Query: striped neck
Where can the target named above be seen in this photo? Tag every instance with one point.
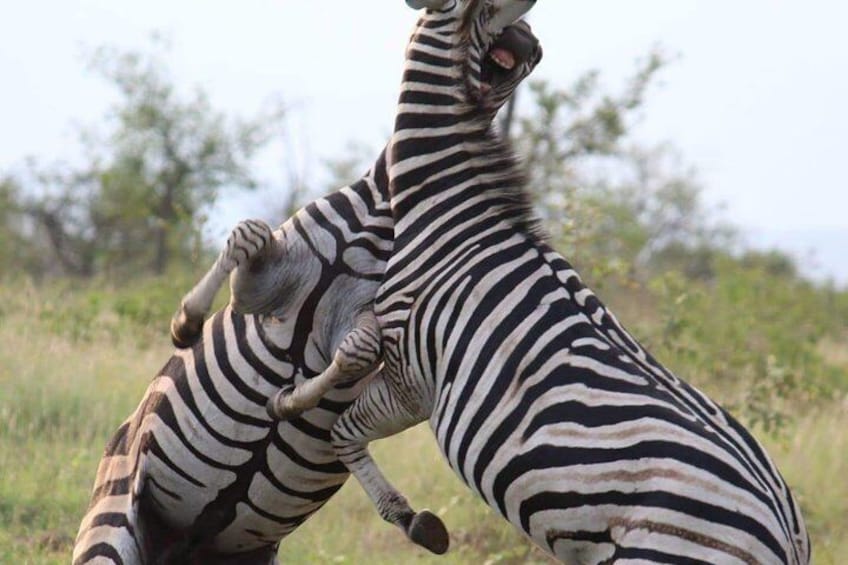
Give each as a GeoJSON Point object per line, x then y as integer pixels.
{"type": "Point", "coordinates": [444, 146]}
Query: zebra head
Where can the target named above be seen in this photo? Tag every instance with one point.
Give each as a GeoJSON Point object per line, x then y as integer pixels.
{"type": "Point", "coordinates": [481, 43]}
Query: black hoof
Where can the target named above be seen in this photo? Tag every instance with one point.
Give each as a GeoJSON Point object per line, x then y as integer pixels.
{"type": "Point", "coordinates": [274, 405]}
{"type": "Point", "coordinates": [186, 335]}
{"type": "Point", "coordinates": [428, 531]}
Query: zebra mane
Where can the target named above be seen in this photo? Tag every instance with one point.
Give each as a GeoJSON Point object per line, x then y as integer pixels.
{"type": "Point", "coordinates": [509, 183]}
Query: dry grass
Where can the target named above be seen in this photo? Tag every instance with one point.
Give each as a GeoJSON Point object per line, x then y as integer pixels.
{"type": "Point", "coordinates": [813, 461]}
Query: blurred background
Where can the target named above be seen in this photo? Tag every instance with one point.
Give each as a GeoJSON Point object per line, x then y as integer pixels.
{"type": "Point", "coordinates": [685, 155]}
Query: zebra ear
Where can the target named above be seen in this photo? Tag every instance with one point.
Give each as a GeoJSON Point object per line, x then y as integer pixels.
{"type": "Point", "coordinates": [429, 4]}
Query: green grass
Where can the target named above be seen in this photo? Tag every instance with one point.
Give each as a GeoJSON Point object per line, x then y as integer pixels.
{"type": "Point", "coordinates": [64, 390]}
{"type": "Point", "coordinates": [61, 396]}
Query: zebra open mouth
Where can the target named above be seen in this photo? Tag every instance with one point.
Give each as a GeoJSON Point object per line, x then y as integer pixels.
{"type": "Point", "coordinates": [515, 46]}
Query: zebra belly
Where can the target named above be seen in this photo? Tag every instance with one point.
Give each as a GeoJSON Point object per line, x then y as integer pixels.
{"type": "Point", "coordinates": [219, 468]}
{"type": "Point", "coordinates": [294, 482]}
{"type": "Point", "coordinates": [256, 495]}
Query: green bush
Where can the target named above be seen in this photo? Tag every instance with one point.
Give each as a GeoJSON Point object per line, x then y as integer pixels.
{"type": "Point", "coordinates": [750, 338]}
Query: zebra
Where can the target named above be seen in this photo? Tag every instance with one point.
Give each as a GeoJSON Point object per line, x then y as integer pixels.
{"type": "Point", "coordinates": [202, 471]}
{"type": "Point", "coordinates": [539, 399]}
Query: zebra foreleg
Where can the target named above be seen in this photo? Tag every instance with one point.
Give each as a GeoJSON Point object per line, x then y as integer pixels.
{"type": "Point", "coordinates": [377, 413]}
{"type": "Point", "coordinates": [248, 241]}
{"type": "Point", "coordinates": [356, 357]}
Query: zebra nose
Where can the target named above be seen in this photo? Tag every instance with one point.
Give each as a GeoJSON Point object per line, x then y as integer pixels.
{"type": "Point", "coordinates": [537, 54]}
{"type": "Point", "coordinates": [520, 41]}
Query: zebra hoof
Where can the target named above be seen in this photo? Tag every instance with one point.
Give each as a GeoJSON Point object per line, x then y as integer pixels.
{"type": "Point", "coordinates": [428, 531]}
{"type": "Point", "coordinates": [185, 332]}
{"type": "Point", "coordinates": [279, 406]}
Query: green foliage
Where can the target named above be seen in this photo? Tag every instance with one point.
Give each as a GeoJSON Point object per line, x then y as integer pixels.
{"type": "Point", "coordinates": [76, 319]}
{"type": "Point", "coordinates": [168, 155]}
{"type": "Point", "coordinates": [604, 198]}
{"type": "Point", "coordinates": [749, 338]}
{"type": "Point", "coordinates": [98, 312]}
{"type": "Point", "coordinates": [137, 201]}
{"type": "Point", "coordinates": [8, 204]}
{"type": "Point", "coordinates": [64, 391]}
{"type": "Point", "coordinates": [149, 304]}
{"type": "Point", "coordinates": [18, 243]}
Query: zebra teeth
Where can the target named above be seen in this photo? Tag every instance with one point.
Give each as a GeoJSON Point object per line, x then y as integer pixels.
{"type": "Point", "coordinates": [503, 58]}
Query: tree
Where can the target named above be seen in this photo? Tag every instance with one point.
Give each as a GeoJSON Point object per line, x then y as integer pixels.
{"type": "Point", "coordinates": [603, 197]}
{"type": "Point", "coordinates": [165, 157]}
{"type": "Point", "coordinates": [13, 243]}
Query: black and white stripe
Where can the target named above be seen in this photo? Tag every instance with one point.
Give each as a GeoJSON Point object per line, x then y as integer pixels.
{"type": "Point", "coordinates": [538, 397]}
{"type": "Point", "coordinates": [200, 473]}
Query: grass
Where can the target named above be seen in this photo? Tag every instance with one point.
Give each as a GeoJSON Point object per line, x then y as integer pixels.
{"type": "Point", "coordinates": [64, 390]}
{"type": "Point", "coordinates": [814, 463]}
{"type": "Point", "coordinates": [61, 398]}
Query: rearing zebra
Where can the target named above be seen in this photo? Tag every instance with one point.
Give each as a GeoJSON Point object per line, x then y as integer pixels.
{"type": "Point", "coordinates": [538, 397]}
{"type": "Point", "coordinates": [199, 472]}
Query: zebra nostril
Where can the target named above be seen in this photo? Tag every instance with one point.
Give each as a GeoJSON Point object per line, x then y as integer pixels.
{"type": "Point", "coordinates": [537, 53]}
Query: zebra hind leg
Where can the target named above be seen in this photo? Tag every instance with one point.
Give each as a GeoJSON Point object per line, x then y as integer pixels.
{"type": "Point", "coordinates": [247, 242]}
{"type": "Point", "coordinates": [356, 357]}
{"type": "Point", "coordinates": [376, 414]}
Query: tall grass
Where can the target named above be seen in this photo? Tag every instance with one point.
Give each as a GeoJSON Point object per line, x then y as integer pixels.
{"type": "Point", "coordinates": [68, 378]}
{"type": "Point", "coordinates": [62, 393]}
{"type": "Point", "coordinates": [813, 461]}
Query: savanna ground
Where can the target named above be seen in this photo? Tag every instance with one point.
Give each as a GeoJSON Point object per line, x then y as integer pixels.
{"type": "Point", "coordinates": [75, 360]}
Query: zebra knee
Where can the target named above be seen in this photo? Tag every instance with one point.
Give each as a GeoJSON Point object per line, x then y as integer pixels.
{"type": "Point", "coordinates": [346, 448]}
{"type": "Point", "coordinates": [280, 406]}
{"type": "Point", "coordinates": [359, 352]}
{"type": "Point", "coordinates": [247, 240]}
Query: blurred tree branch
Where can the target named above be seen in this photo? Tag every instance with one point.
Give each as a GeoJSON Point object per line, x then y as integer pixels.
{"type": "Point", "coordinates": [137, 200]}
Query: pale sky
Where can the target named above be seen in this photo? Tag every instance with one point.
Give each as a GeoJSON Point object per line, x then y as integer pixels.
{"type": "Point", "coordinates": [756, 100]}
